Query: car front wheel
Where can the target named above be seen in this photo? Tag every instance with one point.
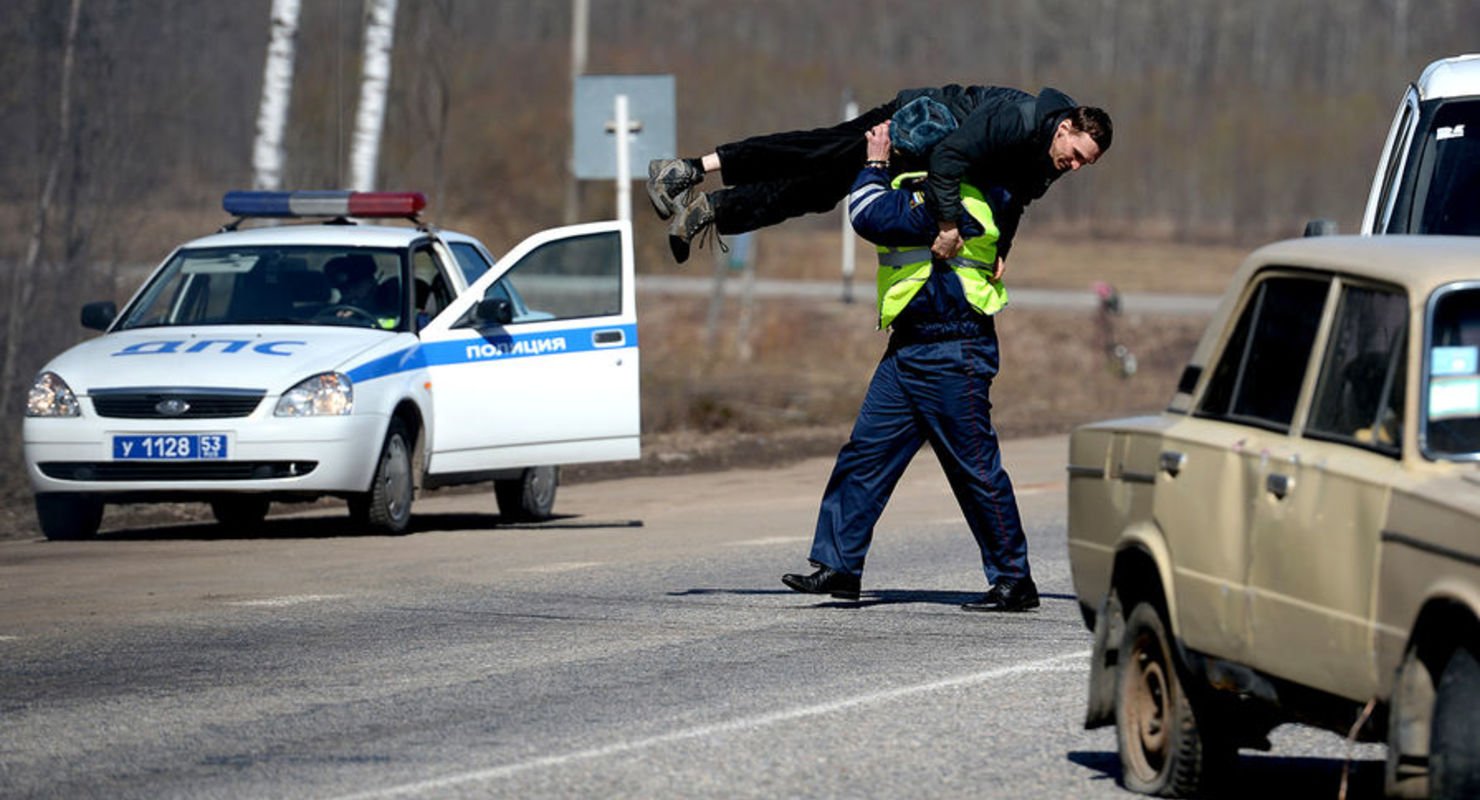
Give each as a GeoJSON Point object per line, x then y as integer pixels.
{"type": "Point", "coordinates": [1454, 761]}
{"type": "Point", "coordinates": [531, 496]}
{"type": "Point", "coordinates": [387, 506]}
{"type": "Point", "coordinates": [67, 515]}
{"type": "Point", "coordinates": [1166, 749]}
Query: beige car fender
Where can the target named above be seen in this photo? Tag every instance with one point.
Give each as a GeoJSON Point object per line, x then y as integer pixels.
{"type": "Point", "coordinates": [1140, 549]}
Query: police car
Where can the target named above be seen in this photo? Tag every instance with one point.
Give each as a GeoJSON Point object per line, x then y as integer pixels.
{"type": "Point", "coordinates": [337, 358]}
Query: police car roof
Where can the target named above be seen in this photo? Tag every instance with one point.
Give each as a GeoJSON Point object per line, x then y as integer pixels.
{"type": "Point", "coordinates": [387, 236]}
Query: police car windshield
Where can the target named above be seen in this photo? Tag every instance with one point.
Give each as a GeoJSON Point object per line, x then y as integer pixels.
{"type": "Point", "coordinates": [358, 287]}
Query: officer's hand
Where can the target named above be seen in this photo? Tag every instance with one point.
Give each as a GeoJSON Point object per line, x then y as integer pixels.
{"type": "Point", "coordinates": [1000, 270]}
{"type": "Point", "coordinates": [947, 243]}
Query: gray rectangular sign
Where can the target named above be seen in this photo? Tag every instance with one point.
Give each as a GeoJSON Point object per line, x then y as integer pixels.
{"type": "Point", "coordinates": [650, 105]}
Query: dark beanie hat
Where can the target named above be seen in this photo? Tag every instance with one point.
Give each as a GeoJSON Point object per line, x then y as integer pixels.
{"type": "Point", "coordinates": [919, 125]}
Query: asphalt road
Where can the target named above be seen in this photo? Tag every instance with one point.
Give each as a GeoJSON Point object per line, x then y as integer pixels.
{"type": "Point", "coordinates": [639, 646]}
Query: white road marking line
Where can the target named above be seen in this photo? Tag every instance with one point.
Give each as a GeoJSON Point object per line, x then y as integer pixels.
{"type": "Point", "coordinates": [286, 600]}
{"type": "Point", "coordinates": [768, 540]}
{"type": "Point", "coordinates": [435, 785]}
{"type": "Point", "coordinates": [8, 638]}
{"type": "Point", "coordinates": [561, 566]}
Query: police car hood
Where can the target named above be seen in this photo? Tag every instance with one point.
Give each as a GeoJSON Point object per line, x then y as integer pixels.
{"type": "Point", "coordinates": [272, 358]}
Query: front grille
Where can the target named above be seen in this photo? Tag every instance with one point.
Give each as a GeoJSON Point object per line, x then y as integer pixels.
{"type": "Point", "coordinates": [199, 403]}
{"type": "Point", "coordinates": [175, 471]}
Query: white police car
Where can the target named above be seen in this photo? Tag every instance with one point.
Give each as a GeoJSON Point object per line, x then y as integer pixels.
{"type": "Point", "coordinates": [342, 359]}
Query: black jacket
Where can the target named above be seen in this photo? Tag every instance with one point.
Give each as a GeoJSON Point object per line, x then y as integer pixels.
{"type": "Point", "coordinates": [1002, 140]}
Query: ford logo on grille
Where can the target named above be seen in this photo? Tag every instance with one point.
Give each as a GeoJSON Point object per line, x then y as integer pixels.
{"type": "Point", "coordinates": [171, 407]}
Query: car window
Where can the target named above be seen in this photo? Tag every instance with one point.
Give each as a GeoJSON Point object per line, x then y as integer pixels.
{"type": "Point", "coordinates": [1448, 178]}
{"type": "Point", "coordinates": [575, 277]}
{"type": "Point", "coordinates": [277, 285]}
{"type": "Point", "coordinates": [469, 260]}
{"type": "Point", "coordinates": [1359, 396]}
{"type": "Point", "coordinates": [432, 294]}
{"type": "Point", "coordinates": [1452, 411]}
{"type": "Point", "coordinates": [1257, 377]}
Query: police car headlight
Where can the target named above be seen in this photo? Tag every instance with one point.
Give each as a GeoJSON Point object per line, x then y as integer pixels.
{"type": "Point", "coordinates": [51, 397]}
{"type": "Point", "coordinates": [328, 394]}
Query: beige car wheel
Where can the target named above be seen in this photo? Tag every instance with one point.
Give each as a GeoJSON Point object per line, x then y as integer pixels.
{"type": "Point", "coordinates": [1163, 749]}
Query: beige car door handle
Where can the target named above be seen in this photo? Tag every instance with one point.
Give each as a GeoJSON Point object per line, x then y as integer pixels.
{"type": "Point", "coordinates": [1279, 485]}
{"type": "Point", "coordinates": [1172, 462]}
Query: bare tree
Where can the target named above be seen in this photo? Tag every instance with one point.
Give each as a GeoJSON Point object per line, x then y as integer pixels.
{"type": "Point", "coordinates": [277, 91]}
{"type": "Point", "coordinates": [375, 78]}
{"type": "Point", "coordinates": [22, 288]}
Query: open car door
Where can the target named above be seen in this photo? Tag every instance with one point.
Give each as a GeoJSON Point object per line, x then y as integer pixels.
{"type": "Point", "coordinates": [537, 362]}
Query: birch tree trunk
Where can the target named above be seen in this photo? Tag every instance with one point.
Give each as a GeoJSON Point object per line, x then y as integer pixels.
{"type": "Point", "coordinates": [277, 91]}
{"type": "Point", "coordinates": [375, 79]}
{"type": "Point", "coordinates": [23, 283]}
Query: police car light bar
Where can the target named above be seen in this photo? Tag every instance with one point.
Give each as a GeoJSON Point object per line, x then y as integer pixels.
{"type": "Point", "coordinates": [323, 204]}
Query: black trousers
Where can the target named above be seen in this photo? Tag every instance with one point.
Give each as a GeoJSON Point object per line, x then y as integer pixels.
{"type": "Point", "coordinates": [778, 176]}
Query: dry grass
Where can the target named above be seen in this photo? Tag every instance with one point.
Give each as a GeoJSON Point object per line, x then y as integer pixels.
{"type": "Point", "coordinates": [1039, 259]}
{"type": "Point", "coordinates": [811, 364]}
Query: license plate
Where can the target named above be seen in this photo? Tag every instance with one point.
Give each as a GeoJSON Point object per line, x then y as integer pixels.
{"type": "Point", "coordinates": [170, 447]}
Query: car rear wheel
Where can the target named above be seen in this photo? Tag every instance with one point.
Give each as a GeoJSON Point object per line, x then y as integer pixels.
{"type": "Point", "coordinates": [68, 515]}
{"type": "Point", "coordinates": [1454, 758]}
{"type": "Point", "coordinates": [240, 513]}
{"type": "Point", "coordinates": [531, 496]}
{"type": "Point", "coordinates": [1166, 749]}
{"type": "Point", "coordinates": [387, 506]}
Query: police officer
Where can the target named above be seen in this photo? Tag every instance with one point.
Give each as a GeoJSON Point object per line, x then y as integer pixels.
{"type": "Point", "coordinates": [931, 385]}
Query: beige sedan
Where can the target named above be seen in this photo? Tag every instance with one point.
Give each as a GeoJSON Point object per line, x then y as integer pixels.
{"type": "Point", "coordinates": [1297, 537]}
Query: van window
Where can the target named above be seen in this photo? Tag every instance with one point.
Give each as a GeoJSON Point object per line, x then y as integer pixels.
{"type": "Point", "coordinates": [1448, 177]}
{"type": "Point", "coordinates": [1257, 377]}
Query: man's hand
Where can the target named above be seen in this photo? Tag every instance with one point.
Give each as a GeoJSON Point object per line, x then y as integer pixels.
{"type": "Point", "coordinates": [948, 242]}
{"type": "Point", "coordinates": [1000, 270]}
{"type": "Point", "coordinates": [878, 142]}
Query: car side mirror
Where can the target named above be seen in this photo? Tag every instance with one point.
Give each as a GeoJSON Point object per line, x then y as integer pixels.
{"type": "Point", "coordinates": [1321, 227]}
{"type": "Point", "coordinates": [98, 316]}
{"type": "Point", "coordinates": [498, 311]}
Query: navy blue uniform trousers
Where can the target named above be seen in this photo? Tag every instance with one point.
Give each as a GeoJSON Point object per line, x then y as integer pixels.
{"type": "Point", "coordinates": [935, 392]}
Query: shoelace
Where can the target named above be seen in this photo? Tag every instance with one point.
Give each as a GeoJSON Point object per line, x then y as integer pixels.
{"type": "Point", "coordinates": [706, 233]}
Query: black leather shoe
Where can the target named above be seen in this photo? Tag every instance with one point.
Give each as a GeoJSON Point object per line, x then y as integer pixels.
{"type": "Point", "coordinates": [824, 581]}
{"type": "Point", "coordinates": [1007, 595]}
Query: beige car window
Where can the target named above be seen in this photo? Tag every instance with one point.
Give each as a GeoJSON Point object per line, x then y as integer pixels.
{"type": "Point", "coordinates": [1452, 393]}
{"type": "Point", "coordinates": [1257, 377]}
{"type": "Point", "coordinates": [1359, 397]}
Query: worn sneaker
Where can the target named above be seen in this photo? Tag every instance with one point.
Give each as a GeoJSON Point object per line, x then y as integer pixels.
{"type": "Point", "coordinates": [690, 223]}
{"type": "Point", "coordinates": [669, 181]}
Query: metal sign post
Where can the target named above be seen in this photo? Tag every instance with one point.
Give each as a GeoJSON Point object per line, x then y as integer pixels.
{"type": "Point", "coordinates": [623, 127]}
{"type": "Point", "coordinates": [850, 239]}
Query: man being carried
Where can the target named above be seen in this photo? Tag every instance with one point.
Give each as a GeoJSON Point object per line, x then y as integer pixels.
{"type": "Point", "coordinates": [1002, 137]}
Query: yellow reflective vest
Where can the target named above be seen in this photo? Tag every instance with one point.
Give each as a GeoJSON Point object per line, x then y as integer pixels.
{"type": "Point", "coordinates": [903, 270]}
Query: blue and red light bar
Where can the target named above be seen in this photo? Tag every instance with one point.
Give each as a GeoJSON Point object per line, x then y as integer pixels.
{"type": "Point", "coordinates": [323, 204]}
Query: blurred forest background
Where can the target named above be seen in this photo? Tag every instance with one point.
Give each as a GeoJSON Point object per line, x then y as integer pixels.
{"type": "Point", "coordinates": [1235, 121]}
